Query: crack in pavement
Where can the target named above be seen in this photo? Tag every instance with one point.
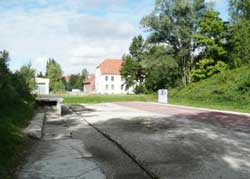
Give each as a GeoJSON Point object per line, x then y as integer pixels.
{"type": "Point", "coordinates": [120, 146]}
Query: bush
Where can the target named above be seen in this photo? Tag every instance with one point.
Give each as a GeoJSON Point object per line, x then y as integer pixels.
{"type": "Point", "coordinates": [206, 68]}
{"type": "Point", "coordinates": [16, 109]}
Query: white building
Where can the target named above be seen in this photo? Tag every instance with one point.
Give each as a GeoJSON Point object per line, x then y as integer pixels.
{"type": "Point", "coordinates": [108, 79]}
{"type": "Point", "coordinates": [42, 86]}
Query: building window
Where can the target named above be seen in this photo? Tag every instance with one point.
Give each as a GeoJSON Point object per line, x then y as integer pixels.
{"type": "Point", "coordinates": [107, 87]}
{"type": "Point", "coordinates": [106, 78]}
{"type": "Point", "coordinates": [112, 87]}
{"type": "Point", "coordinates": [112, 78]}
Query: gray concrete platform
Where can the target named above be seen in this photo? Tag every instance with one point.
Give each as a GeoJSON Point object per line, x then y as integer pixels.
{"type": "Point", "coordinates": [169, 145]}
{"type": "Point", "coordinates": [35, 128]}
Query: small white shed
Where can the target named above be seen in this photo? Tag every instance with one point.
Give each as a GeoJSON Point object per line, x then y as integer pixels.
{"type": "Point", "coordinates": [42, 86]}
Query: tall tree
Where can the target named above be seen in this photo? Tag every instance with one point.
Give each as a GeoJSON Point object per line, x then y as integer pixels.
{"type": "Point", "coordinates": [76, 80]}
{"type": "Point", "coordinates": [211, 44]}
{"type": "Point", "coordinates": [28, 73]}
{"type": "Point", "coordinates": [54, 73]}
{"type": "Point", "coordinates": [210, 38]}
{"type": "Point", "coordinates": [173, 23]}
{"type": "Point", "coordinates": [40, 75]}
{"type": "Point", "coordinates": [240, 31]}
{"type": "Point", "coordinates": [161, 69]}
{"type": "Point", "coordinates": [132, 70]}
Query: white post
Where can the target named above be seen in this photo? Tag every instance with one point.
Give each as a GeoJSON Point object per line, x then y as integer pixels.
{"type": "Point", "coordinates": [163, 96]}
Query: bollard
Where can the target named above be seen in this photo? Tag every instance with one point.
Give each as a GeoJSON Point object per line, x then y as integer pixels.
{"type": "Point", "coordinates": [163, 96]}
{"type": "Point", "coordinates": [59, 106]}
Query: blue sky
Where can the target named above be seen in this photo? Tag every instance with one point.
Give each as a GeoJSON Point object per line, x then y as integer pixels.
{"type": "Point", "coordinates": [77, 33]}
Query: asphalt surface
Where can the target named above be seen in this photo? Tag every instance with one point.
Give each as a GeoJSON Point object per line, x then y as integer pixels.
{"type": "Point", "coordinates": [141, 140]}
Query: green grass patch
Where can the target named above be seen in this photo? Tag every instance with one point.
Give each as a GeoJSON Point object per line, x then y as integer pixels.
{"type": "Point", "coordinates": [107, 98]}
{"type": "Point", "coordinates": [229, 90]}
{"type": "Point", "coordinates": [12, 141]}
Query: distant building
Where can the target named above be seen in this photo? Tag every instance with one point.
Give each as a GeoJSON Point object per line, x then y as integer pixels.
{"type": "Point", "coordinates": [67, 78]}
{"type": "Point", "coordinates": [42, 86]}
{"type": "Point", "coordinates": [89, 84]}
{"type": "Point", "coordinates": [108, 79]}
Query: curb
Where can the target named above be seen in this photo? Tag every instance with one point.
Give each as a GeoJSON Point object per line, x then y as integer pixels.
{"type": "Point", "coordinates": [36, 127]}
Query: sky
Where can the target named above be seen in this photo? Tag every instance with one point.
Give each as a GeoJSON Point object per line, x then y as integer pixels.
{"type": "Point", "coordinates": [76, 33]}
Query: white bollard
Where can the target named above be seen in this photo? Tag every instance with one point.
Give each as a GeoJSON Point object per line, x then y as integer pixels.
{"type": "Point", "coordinates": [163, 96]}
{"type": "Point", "coordinates": [59, 106]}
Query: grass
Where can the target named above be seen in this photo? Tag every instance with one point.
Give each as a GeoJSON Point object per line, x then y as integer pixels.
{"type": "Point", "coordinates": [209, 105]}
{"type": "Point", "coordinates": [229, 90]}
{"type": "Point", "coordinates": [107, 98]}
{"type": "Point", "coordinates": [13, 142]}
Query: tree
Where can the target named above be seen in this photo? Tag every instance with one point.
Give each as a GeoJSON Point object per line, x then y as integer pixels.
{"type": "Point", "coordinates": [240, 32]}
{"type": "Point", "coordinates": [161, 69]}
{"type": "Point", "coordinates": [210, 38]}
{"type": "Point", "coordinates": [13, 86]}
{"type": "Point", "coordinates": [40, 75]}
{"type": "Point", "coordinates": [211, 41]}
{"type": "Point", "coordinates": [132, 70]}
{"type": "Point", "coordinates": [173, 23]}
{"type": "Point", "coordinates": [54, 73]}
{"type": "Point", "coordinates": [28, 73]}
{"type": "Point", "coordinates": [129, 71]}
{"type": "Point", "coordinates": [76, 80]}
{"type": "Point", "coordinates": [206, 68]}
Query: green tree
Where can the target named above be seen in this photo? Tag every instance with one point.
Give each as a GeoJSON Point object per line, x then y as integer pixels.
{"type": "Point", "coordinates": [173, 23]}
{"type": "Point", "coordinates": [76, 80]}
{"type": "Point", "coordinates": [211, 41]}
{"type": "Point", "coordinates": [132, 70]}
{"type": "Point", "coordinates": [211, 36]}
{"type": "Point", "coordinates": [240, 31]}
{"type": "Point", "coordinates": [161, 69]}
{"type": "Point", "coordinates": [129, 71]}
{"type": "Point", "coordinates": [40, 75]}
{"type": "Point", "coordinates": [28, 73]}
{"type": "Point", "coordinates": [54, 73]}
{"type": "Point", "coordinates": [206, 68]}
{"type": "Point", "coordinates": [13, 86]}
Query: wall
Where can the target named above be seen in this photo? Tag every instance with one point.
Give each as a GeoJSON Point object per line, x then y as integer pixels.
{"type": "Point", "coordinates": [104, 86]}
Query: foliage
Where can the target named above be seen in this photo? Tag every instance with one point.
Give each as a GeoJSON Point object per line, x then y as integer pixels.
{"type": "Point", "coordinates": [240, 42]}
{"type": "Point", "coordinates": [240, 32]}
{"type": "Point", "coordinates": [76, 81]}
{"type": "Point", "coordinates": [54, 73]}
{"type": "Point", "coordinates": [16, 108]}
{"type": "Point", "coordinates": [132, 70]}
{"type": "Point", "coordinates": [211, 37]}
{"type": "Point", "coordinates": [228, 90]}
{"type": "Point", "coordinates": [206, 68]}
{"type": "Point", "coordinates": [28, 73]}
{"type": "Point", "coordinates": [150, 68]}
{"type": "Point", "coordinates": [129, 71]}
{"type": "Point", "coordinates": [40, 75]}
{"type": "Point", "coordinates": [161, 69]}
{"type": "Point", "coordinates": [173, 23]}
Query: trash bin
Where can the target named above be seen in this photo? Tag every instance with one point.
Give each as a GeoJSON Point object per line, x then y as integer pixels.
{"type": "Point", "coordinates": [163, 96]}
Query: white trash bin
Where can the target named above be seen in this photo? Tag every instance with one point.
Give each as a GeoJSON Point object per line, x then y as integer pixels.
{"type": "Point", "coordinates": [163, 96]}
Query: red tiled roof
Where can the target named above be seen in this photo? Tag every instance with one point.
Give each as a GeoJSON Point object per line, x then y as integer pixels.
{"type": "Point", "coordinates": [111, 67]}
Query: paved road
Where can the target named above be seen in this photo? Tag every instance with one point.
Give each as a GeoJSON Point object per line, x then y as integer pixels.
{"type": "Point", "coordinates": [141, 140]}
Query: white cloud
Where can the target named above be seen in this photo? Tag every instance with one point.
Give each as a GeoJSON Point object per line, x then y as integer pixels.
{"type": "Point", "coordinates": [74, 39]}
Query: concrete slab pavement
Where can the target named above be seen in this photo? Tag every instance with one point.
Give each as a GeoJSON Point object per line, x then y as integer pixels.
{"type": "Point", "coordinates": [173, 145]}
{"type": "Point", "coordinates": [70, 148]}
